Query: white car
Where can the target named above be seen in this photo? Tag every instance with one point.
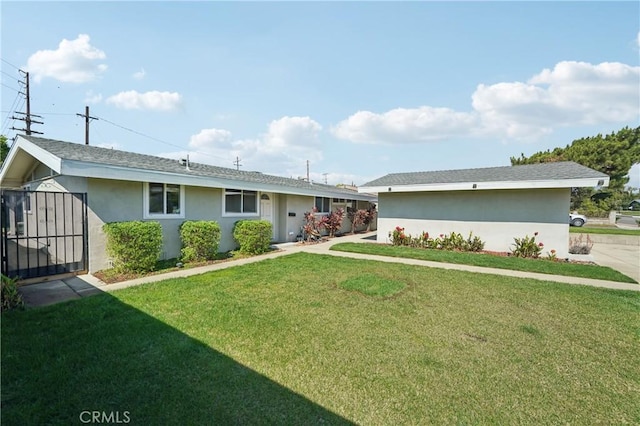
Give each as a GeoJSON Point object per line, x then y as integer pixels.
{"type": "Point", "coordinates": [576, 219]}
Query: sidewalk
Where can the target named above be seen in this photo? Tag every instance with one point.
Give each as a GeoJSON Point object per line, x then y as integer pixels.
{"type": "Point", "coordinates": [56, 291]}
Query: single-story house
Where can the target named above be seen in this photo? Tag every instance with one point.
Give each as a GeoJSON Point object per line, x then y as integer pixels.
{"type": "Point", "coordinates": [497, 204]}
{"type": "Point", "coordinates": [126, 186]}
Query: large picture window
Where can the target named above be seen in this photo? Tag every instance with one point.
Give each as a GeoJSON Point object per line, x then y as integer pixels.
{"type": "Point", "coordinates": [164, 200]}
{"type": "Point", "coordinates": [240, 202]}
{"type": "Point", "coordinates": [323, 204]}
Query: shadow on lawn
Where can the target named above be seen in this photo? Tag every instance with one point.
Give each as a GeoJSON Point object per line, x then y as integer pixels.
{"type": "Point", "coordinates": [100, 355]}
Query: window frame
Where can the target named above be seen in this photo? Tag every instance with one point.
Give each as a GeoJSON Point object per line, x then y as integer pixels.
{"type": "Point", "coordinates": [241, 213]}
{"type": "Point", "coordinates": [146, 214]}
{"type": "Point", "coordinates": [315, 201]}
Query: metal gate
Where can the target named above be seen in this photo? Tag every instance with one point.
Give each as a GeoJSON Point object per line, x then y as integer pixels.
{"type": "Point", "coordinates": [43, 233]}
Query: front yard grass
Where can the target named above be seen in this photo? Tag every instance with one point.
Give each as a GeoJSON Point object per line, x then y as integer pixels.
{"type": "Point", "coordinates": [281, 342]}
{"type": "Point", "coordinates": [542, 266]}
{"type": "Point", "coordinates": [609, 230]}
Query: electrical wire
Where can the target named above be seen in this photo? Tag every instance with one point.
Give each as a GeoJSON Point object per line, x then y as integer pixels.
{"type": "Point", "coordinates": [160, 140]}
{"type": "Point", "coordinates": [9, 63]}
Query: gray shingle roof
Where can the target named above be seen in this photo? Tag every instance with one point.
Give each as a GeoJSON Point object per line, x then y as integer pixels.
{"type": "Point", "coordinates": [113, 157]}
{"type": "Point", "coordinates": [530, 172]}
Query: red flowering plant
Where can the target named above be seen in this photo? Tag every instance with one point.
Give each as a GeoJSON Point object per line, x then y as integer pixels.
{"type": "Point", "coordinates": [551, 255]}
{"type": "Point", "coordinates": [527, 247]}
{"type": "Point", "coordinates": [398, 237]}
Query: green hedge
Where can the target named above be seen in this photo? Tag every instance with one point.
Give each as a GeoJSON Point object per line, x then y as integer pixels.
{"type": "Point", "coordinates": [134, 246]}
{"type": "Point", "coordinates": [200, 240]}
{"type": "Point", "coordinates": [253, 236]}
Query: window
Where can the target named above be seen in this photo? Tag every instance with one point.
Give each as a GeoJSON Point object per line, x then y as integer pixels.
{"type": "Point", "coordinates": [240, 202]}
{"type": "Point", "coordinates": [323, 204]}
{"type": "Point", "coordinates": [163, 200]}
{"type": "Point", "coordinates": [347, 202]}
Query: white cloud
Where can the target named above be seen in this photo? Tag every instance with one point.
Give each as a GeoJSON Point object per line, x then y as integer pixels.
{"type": "Point", "coordinates": [208, 138]}
{"type": "Point", "coordinates": [638, 39]}
{"type": "Point", "coordinates": [282, 150]}
{"type": "Point", "coordinates": [75, 61]}
{"type": "Point", "coordinates": [154, 100]}
{"type": "Point", "coordinates": [570, 94]}
{"type": "Point", "coordinates": [405, 125]}
{"type": "Point", "coordinates": [139, 75]}
{"type": "Point", "coordinates": [92, 98]}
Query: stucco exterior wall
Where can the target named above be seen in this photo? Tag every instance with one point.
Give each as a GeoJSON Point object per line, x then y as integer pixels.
{"type": "Point", "coordinates": [299, 205]}
{"type": "Point", "coordinates": [111, 200]}
{"type": "Point", "coordinates": [495, 216]}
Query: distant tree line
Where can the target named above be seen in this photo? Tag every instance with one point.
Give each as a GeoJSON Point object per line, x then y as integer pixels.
{"type": "Point", "coordinates": [613, 154]}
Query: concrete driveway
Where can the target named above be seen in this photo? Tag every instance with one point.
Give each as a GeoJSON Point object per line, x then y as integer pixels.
{"type": "Point", "coordinates": [621, 257]}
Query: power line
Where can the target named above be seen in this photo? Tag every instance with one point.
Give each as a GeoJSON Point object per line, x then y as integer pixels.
{"type": "Point", "coordinates": [10, 88]}
{"type": "Point", "coordinates": [9, 63]}
{"type": "Point", "coordinates": [11, 76]}
{"type": "Point", "coordinates": [87, 119]}
{"type": "Point", "coordinates": [158, 140]}
{"type": "Point", "coordinates": [27, 115]}
{"type": "Point", "coordinates": [15, 87]}
{"type": "Point", "coordinates": [14, 106]}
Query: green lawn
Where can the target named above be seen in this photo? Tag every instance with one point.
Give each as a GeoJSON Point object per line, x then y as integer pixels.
{"type": "Point", "coordinates": [610, 230]}
{"type": "Point", "coordinates": [629, 212]}
{"type": "Point", "coordinates": [295, 340]}
{"type": "Point", "coordinates": [542, 266]}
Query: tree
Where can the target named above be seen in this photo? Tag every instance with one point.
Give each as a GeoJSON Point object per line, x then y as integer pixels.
{"type": "Point", "coordinates": [613, 154]}
{"type": "Point", "coordinates": [4, 148]}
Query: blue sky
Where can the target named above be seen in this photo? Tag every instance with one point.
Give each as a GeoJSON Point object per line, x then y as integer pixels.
{"type": "Point", "coordinates": [358, 89]}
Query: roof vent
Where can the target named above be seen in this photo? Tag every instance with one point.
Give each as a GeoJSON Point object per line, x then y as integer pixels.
{"type": "Point", "coordinates": [185, 162]}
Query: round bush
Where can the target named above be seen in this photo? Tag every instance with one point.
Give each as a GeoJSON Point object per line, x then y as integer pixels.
{"type": "Point", "coordinates": [253, 236]}
{"type": "Point", "coordinates": [200, 240]}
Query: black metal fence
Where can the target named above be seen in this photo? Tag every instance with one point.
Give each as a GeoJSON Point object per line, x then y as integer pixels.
{"type": "Point", "coordinates": [43, 233]}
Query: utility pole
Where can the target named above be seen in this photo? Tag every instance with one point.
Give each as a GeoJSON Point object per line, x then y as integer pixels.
{"type": "Point", "coordinates": [308, 171]}
{"type": "Point", "coordinates": [86, 123]}
{"type": "Point", "coordinates": [237, 163]}
{"type": "Point", "coordinates": [325, 177]}
{"type": "Point", "coordinates": [27, 115]}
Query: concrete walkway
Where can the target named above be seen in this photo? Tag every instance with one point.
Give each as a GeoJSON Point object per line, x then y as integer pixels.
{"type": "Point", "coordinates": [55, 291]}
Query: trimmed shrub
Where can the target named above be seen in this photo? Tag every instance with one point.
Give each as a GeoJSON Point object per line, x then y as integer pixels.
{"type": "Point", "coordinates": [253, 236]}
{"type": "Point", "coordinates": [134, 246]}
{"type": "Point", "coordinates": [200, 240]}
{"type": "Point", "coordinates": [11, 298]}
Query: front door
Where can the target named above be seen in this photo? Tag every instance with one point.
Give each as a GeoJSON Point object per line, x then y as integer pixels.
{"type": "Point", "coordinates": [266, 212]}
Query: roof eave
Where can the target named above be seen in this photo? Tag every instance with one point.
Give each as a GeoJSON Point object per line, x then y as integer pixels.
{"type": "Point", "coordinates": [102, 171]}
{"type": "Point", "coordinates": [39, 154]}
{"type": "Point", "coordinates": [467, 186]}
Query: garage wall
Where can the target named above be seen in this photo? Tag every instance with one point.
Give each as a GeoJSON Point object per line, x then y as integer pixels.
{"type": "Point", "coordinates": [495, 216]}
